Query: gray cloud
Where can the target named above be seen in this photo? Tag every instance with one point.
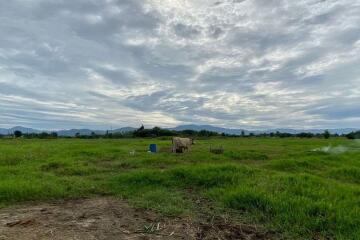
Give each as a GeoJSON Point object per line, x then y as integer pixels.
{"type": "Point", "coordinates": [243, 63]}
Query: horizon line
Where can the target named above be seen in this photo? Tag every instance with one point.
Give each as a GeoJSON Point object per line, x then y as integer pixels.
{"type": "Point", "coordinates": [195, 125]}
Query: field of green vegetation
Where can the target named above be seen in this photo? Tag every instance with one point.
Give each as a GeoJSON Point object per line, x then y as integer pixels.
{"type": "Point", "coordinates": [281, 184]}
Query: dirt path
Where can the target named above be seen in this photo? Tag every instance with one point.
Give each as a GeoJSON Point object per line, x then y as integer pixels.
{"type": "Point", "coordinates": [108, 218]}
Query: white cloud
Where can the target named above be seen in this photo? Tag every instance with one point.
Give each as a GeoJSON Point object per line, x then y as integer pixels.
{"type": "Point", "coordinates": [165, 62]}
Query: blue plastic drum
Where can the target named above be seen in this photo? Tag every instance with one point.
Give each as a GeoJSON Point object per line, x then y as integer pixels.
{"type": "Point", "coordinates": [153, 148]}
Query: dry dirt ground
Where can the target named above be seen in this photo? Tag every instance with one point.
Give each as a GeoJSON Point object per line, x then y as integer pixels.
{"type": "Point", "coordinates": [109, 218]}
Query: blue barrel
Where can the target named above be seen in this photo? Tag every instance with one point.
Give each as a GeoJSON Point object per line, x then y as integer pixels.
{"type": "Point", "coordinates": [152, 148]}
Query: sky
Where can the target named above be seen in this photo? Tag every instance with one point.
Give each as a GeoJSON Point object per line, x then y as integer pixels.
{"type": "Point", "coordinates": [232, 63]}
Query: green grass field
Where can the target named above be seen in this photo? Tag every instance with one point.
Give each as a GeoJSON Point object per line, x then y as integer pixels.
{"type": "Point", "coordinates": [277, 183]}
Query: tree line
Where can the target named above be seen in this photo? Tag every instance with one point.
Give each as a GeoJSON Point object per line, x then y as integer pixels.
{"type": "Point", "coordinates": [155, 132]}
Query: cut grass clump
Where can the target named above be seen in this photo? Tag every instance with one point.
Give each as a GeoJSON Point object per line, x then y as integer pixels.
{"type": "Point", "coordinates": [26, 189]}
{"type": "Point", "coordinates": [309, 206]}
{"type": "Point", "coordinates": [53, 166]}
{"type": "Point", "coordinates": [170, 203]}
{"type": "Point", "coordinates": [347, 174]}
{"type": "Point", "coordinates": [247, 200]}
{"type": "Point", "coordinates": [207, 176]}
{"type": "Point", "coordinates": [201, 176]}
{"type": "Point", "coordinates": [63, 169]}
{"type": "Point", "coordinates": [12, 161]}
{"type": "Point", "coordinates": [301, 164]}
{"type": "Point", "coordinates": [246, 155]}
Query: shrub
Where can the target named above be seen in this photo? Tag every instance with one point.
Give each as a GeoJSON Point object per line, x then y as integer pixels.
{"type": "Point", "coordinates": [17, 134]}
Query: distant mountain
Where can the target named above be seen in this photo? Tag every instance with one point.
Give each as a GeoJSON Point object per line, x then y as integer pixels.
{"type": "Point", "coordinates": [73, 132]}
{"type": "Point", "coordinates": [343, 130]}
{"type": "Point", "coordinates": [123, 130]}
{"type": "Point", "coordinates": [3, 131]}
{"type": "Point", "coordinates": [88, 132]}
{"type": "Point", "coordinates": [314, 131]}
{"type": "Point", "coordinates": [238, 131]}
{"type": "Point", "coordinates": [65, 133]}
{"type": "Point", "coordinates": [210, 128]}
{"type": "Point", "coordinates": [23, 130]}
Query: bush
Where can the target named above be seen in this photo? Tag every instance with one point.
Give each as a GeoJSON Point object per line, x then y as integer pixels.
{"type": "Point", "coordinates": [17, 134]}
{"type": "Point", "coordinates": [327, 134]}
{"type": "Point", "coordinates": [353, 135]}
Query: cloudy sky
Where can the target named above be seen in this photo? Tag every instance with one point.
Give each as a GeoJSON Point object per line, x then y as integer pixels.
{"type": "Point", "coordinates": [230, 63]}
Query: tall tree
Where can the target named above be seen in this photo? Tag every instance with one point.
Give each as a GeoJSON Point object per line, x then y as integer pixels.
{"type": "Point", "coordinates": [327, 134]}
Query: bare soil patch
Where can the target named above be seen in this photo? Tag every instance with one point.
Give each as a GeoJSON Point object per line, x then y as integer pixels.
{"type": "Point", "coordinates": [109, 218]}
